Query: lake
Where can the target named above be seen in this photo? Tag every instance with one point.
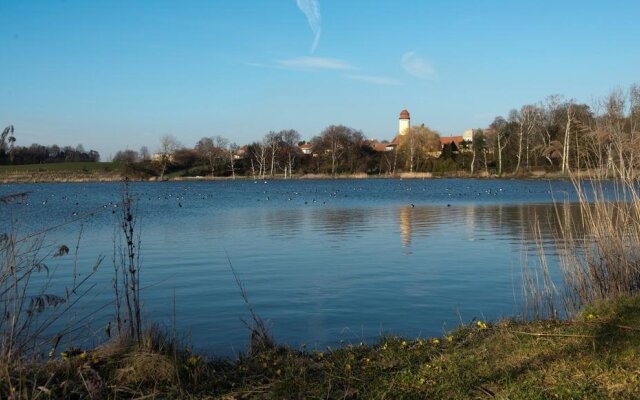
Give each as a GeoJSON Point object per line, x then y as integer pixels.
{"type": "Point", "coordinates": [322, 261]}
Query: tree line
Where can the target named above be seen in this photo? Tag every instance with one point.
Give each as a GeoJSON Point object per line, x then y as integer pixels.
{"type": "Point", "coordinates": [562, 135]}
{"type": "Point", "coordinates": [338, 149]}
{"type": "Point", "coordinates": [36, 153]}
{"type": "Point", "coordinates": [553, 135]}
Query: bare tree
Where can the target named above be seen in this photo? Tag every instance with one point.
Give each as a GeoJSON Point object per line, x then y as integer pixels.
{"type": "Point", "coordinates": [232, 149]}
{"type": "Point", "coordinates": [615, 121]}
{"type": "Point", "coordinates": [258, 154]}
{"type": "Point", "coordinates": [478, 145]}
{"type": "Point", "coordinates": [144, 153]}
{"type": "Point", "coordinates": [168, 146]}
{"type": "Point", "coordinates": [409, 143]}
{"type": "Point", "coordinates": [387, 160]}
{"type": "Point", "coordinates": [527, 119]}
{"type": "Point", "coordinates": [7, 141]}
{"type": "Point", "coordinates": [272, 142]}
{"type": "Point", "coordinates": [290, 139]}
{"type": "Point", "coordinates": [220, 150]}
{"type": "Point", "coordinates": [501, 129]}
{"type": "Point", "coordinates": [547, 148]}
{"type": "Point", "coordinates": [333, 142]}
{"type": "Point", "coordinates": [206, 151]}
{"type": "Point", "coordinates": [608, 135]}
{"type": "Point", "coordinates": [567, 137]}
{"type": "Point", "coordinates": [416, 144]}
{"type": "Point", "coordinates": [475, 139]}
{"type": "Point", "coordinates": [213, 151]}
{"type": "Point", "coordinates": [126, 156]}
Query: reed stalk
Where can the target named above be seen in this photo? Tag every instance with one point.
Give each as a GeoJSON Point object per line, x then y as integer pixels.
{"type": "Point", "coordinates": [602, 262]}
{"type": "Point", "coordinates": [29, 304]}
{"type": "Point", "coordinates": [127, 271]}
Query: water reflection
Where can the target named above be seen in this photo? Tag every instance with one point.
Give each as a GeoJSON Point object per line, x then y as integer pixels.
{"type": "Point", "coordinates": [515, 222]}
{"type": "Point", "coordinates": [471, 222]}
{"type": "Point", "coordinates": [284, 222]}
{"type": "Point", "coordinates": [421, 221]}
{"type": "Point", "coordinates": [406, 220]}
{"type": "Point", "coordinates": [341, 221]}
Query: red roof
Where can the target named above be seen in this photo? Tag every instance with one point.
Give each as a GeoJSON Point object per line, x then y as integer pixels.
{"type": "Point", "coordinates": [404, 114]}
{"type": "Point", "coordinates": [448, 139]}
{"type": "Point", "coordinates": [306, 146]}
{"type": "Point", "coordinates": [380, 147]}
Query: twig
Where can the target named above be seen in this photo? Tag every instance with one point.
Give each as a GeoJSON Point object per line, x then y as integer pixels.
{"type": "Point", "coordinates": [259, 330]}
{"type": "Point", "coordinates": [552, 334]}
{"type": "Point", "coordinates": [486, 391]}
{"type": "Point", "coordinates": [84, 382]}
{"type": "Point", "coordinates": [600, 323]}
{"type": "Point", "coordinates": [629, 328]}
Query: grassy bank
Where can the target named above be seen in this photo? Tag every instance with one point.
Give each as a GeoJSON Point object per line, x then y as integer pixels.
{"type": "Point", "coordinates": [594, 356]}
{"type": "Point", "coordinates": [62, 172]}
{"type": "Point", "coordinates": [114, 171]}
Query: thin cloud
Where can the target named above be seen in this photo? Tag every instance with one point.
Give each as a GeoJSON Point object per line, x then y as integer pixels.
{"type": "Point", "coordinates": [311, 9]}
{"type": "Point", "coordinates": [376, 80]}
{"type": "Point", "coordinates": [417, 66]}
{"type": "Point", "coordinates": [315, 63]}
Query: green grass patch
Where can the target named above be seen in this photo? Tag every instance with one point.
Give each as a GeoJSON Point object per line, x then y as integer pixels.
{"type": "Point", "coordinates": [594, 356]}
{"type": "Point", "coordinates": [62, 172]}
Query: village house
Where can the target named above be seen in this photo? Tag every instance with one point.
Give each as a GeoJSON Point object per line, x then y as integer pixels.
{"type": "Point", "coordinates": [241, 153]}
{"type": "Point", "coordinates": [306, 148]}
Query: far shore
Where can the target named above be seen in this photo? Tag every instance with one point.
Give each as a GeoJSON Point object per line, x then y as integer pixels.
{"type": "Point", "coordinates": [38, 177]}
{"type": "Point", "coordinates": [62, 176]}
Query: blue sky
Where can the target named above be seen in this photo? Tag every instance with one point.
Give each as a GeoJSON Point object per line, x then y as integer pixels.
{"type": "Point", "coordinates": [119, 74]}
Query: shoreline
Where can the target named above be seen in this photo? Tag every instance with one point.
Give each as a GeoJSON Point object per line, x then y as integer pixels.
{"type": "Point", "coordinates": [591, 356]}
{"type": "Point", "coordinates": [48, 177]}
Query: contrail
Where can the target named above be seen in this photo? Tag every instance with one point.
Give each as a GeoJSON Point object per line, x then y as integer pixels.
{"type": "Point", "coordinates": [311, 9]}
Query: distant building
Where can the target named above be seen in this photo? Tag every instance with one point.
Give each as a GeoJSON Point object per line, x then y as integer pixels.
{"type": "Point", "coordinates": [306, 148]}
{"type": "Point", "coordinates": [379, 147]}
{"type": "Point", "coordinates": [242, 152]}
{"type": "Point", "coordinates": [468, 135]}
{"type": "Point", "coordinates": [445, 140]}
{"type": "Point", "coordinates": [159, 156]}
{"type": "Point", "coordinates": [404, 122]}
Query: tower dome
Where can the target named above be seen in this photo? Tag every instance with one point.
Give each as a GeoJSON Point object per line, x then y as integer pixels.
{"type": "Point", "coordinates": [404, 114]}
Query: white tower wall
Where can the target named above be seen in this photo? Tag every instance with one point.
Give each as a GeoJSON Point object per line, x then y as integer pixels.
{"type": "Point", "coordinates": [403, 126]}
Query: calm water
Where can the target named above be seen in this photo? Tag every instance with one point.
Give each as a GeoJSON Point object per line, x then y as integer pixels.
{"type": "Point", "coordinates": [322, 261]}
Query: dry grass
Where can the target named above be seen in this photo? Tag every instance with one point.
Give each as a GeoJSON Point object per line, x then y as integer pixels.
{"type": "Point", "coordinates": [143, 368]}
{"type": "Point", "coordinates": [599, 249]}
{"type": "Point", "coordinates": [605, 262]}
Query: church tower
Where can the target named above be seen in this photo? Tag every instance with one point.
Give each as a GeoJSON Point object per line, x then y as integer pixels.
{"type": "Point", "coordinates": [404, 122]}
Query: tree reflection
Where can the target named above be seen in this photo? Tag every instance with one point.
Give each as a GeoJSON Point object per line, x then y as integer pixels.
{"type": "Point", "coordinates": [513, 221]}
